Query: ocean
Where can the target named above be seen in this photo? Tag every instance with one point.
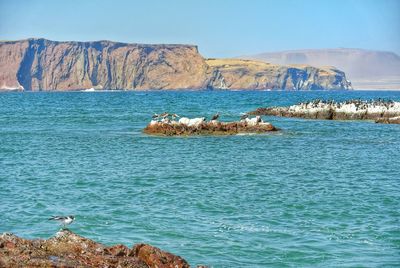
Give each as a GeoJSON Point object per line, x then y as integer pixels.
{"type": "Point", "coordinates": [315, 194]}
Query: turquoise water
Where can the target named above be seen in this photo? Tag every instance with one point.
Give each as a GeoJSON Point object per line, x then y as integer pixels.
{"type": "Point", "coordinates": [318, 193]}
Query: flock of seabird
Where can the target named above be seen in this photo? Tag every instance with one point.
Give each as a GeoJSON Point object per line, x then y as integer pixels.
{"type": "Point", "coordinates": [358, 103]}
{"type": "Point", "coordinates": [165, 116]}
{"type": "Point", "coordinates": [169, 117]}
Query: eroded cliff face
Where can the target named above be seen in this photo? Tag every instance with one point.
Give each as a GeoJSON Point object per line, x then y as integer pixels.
{"type": "Point", "coordinates": [248, 74]}
{"type": "Point", "coordinates": [11, 56]}
{"type": "Point", "coordinates": [40, 64]}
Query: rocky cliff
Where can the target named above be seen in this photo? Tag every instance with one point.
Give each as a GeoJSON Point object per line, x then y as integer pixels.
{"type": "Point", "coordinates": [40, 64]}
{"type": "Point", "coordinates": [367, 69]}
{"type": "Point", "coordinates": [249, 74]}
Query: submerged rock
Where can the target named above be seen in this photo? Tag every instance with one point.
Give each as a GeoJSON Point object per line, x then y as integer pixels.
{"type": "Point", "coordinates": [379, 110]}
{"type": "Point", "coordinates": [68, 249]}
{"type": "Point", "coordinates": [207, 128]}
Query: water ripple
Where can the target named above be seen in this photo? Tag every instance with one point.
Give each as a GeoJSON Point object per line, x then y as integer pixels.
{"type": "Point", "coordinates": [318, 193]}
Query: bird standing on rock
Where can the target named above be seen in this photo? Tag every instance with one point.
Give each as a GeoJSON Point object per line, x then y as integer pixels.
{"type": "Point", "coordinates": [164, 115]}
{"type": "Point", "coordinates": [215, 117]}
{"type": "Point", "coordinates": [243, 117]}
{"type": "Point", "coordinates": [64, 220]}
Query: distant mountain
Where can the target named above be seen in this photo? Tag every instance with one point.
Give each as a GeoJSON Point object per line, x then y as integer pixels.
{"type": "Point", "coordinates": [40, 64]}
{"type": "Point", "coordinates": [366, 69]}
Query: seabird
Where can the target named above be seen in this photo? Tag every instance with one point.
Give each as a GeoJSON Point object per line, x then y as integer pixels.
{"type": "Point", "coordinates": [215, 117]}
{"type": "Point", "coordinates": [243, 117]}
{"type": "Point", "coordinates": [155, 116]}
{"type": "Point", "coordinates": [164, 115]}
{"type": "Point", "coordinates": [64, 220]}
{"type": "Point", "coordinates": [174, 116]}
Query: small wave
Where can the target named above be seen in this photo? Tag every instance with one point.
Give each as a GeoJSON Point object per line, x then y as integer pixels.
{"type": "Point", "coordinates": [246, 134]}
{"type": "Point", "coordinates": [245, 228]}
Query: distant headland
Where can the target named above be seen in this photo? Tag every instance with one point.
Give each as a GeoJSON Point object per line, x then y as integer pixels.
{"type": "Point", "coordinates": [367, 69]}
{"type": "Point", "coordinates": [44, 65]}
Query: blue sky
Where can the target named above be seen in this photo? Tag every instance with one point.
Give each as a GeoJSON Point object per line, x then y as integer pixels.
{"type": "Point", "coordinates": [220, 28]}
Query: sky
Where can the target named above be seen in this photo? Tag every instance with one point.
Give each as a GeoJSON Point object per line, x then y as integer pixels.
{"type": "Point", "coordinates": [220, 28]}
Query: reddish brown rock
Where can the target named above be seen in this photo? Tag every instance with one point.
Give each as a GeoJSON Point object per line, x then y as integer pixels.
{"type": "Point", "coordinates": [68, 249]}
{"type": "Point", "coordinates": [206, 128]}
{"type": "Point", "coordinates": [40, 64]}
{"type": "Point", "coordinates": [11, 56]}
{"type": "Point", "coordinates": [154, 257]}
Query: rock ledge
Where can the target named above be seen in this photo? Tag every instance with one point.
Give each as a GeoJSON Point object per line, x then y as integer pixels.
{"type": "Point", "coordinates": [380, 111]}
{"type": "Point", "coordinates": [207, 128]}
{"type": "Point", "coordinates": [67, 249]}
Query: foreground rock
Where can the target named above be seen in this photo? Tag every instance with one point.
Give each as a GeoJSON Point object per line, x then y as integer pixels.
{"type": "Point", "coordinates": [40, 64]}
{"type": "Point", "coordinates": [380, 111]}
{"type": "Point", "coordinates": [207, 128]}
{"type": "Point", "coordinates": [68, 249]}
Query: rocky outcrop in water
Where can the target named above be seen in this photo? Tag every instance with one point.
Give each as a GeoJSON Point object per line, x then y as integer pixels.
{"type": "Point", "coordinates": [381, 111]}
{"type": "Point", "coordinates": [40, 64]}
{"type": "Point", "coordinates": [202, 127]}
{"type": "Point", "coordinates": [68, 249]}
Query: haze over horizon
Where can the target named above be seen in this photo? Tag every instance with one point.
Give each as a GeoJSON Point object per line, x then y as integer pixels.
{"type": "Point", "coordinates": [219, 28]}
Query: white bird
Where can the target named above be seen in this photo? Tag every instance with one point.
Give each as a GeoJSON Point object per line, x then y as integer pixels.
{"type": "Point", "coordinates": [194, 122]}
{"type": "Point", "coordinates": [164, 115]}
{"type": "Point", "coordinates": [64, 220]}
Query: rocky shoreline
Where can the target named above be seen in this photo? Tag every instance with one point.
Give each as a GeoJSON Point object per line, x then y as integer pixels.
{"type": "Point", "coordinates": [67, 249]}
{"type": "Point", "coordinates": [380, 111]}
